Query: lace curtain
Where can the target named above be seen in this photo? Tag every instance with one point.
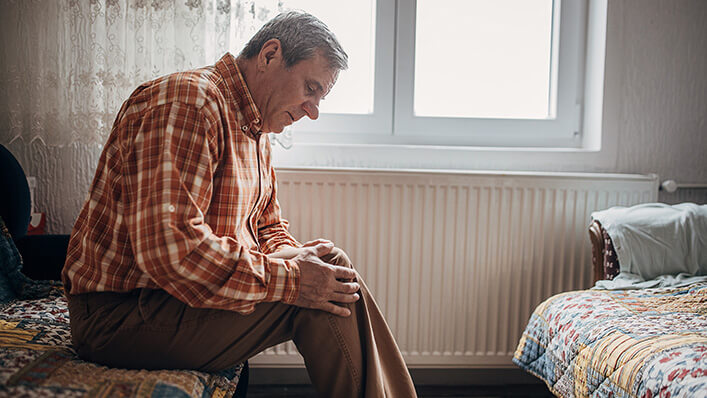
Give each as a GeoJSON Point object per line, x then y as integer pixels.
{"type": "Point", "coordinates": [68, 65]}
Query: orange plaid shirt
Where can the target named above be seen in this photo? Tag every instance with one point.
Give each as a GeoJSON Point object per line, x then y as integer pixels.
{"type": "Point", "coordinates": [184, 199]}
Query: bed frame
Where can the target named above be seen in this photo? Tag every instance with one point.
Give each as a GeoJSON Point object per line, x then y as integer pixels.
{"type": "Point", "coordinates": [598, 254]}
{"type": "Point", "coordinates": [604, 261]}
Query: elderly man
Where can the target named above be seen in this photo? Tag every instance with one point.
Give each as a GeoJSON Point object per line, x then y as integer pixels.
{"type": "Point", "coordinates": [179, 257]}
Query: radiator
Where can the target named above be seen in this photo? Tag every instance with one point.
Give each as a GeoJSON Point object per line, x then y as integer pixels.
{"type": "Point", "coordinates": [457, 261]}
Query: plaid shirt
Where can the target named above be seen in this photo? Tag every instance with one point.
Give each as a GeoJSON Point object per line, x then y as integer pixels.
{"type": "Point", "coordinates": [184, 199]}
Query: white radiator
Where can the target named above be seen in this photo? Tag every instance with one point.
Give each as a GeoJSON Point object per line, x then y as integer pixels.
{"type": "Point", "coordinates": [456, 260]}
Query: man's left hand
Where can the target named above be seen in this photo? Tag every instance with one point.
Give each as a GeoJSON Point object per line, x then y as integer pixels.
{"type": "Point", "coordinates": [289, 252]}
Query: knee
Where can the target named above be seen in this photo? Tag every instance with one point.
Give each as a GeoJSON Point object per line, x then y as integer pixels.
{"type": "Point", "coordinates": [337, 257]}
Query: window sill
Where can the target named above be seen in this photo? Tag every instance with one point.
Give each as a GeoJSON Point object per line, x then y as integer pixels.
{"type": "Point", "coordinates": [445, 157]}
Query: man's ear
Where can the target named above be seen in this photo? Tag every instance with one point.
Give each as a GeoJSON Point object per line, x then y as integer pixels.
{"type": "Point", "coordinates": [271, 51]}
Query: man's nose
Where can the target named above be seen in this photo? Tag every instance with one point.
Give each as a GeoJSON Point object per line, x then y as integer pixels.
{"type": "Point", "coordinates": [311, 109]}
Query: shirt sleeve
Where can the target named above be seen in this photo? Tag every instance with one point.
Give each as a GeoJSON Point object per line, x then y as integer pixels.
{"type": "Point", "coordinates": [175, 155]}
{"type": "Point", "coordinates": [273, 230]}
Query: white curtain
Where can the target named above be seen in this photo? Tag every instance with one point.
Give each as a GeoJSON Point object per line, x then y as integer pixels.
{"type": "Point", "coordinates": [66, 66]}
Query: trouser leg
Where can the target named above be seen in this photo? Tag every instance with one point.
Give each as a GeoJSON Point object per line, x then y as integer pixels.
{"type": "Point", "coordinates": [345, 356]}
{"type": "Point", "coordinates": [355, 355]}
{"type": "Point", "coordinates": [150, 329]}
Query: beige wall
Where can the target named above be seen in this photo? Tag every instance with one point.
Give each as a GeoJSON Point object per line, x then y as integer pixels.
{"type": "Point", "coordinates": [656, 63]}
{"type": "Point", "coordinates": [663, 97]}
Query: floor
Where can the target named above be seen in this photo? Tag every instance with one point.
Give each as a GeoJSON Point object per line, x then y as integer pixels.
{"type": "Point", "coordinates": [516, 390]}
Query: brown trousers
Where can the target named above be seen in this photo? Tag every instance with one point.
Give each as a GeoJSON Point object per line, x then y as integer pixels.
{"type": "Point", "coordinates": [149, 329]}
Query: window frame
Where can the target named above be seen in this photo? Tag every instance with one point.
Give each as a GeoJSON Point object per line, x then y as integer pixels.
{"type": "Point", "coordinates": [393, 121]}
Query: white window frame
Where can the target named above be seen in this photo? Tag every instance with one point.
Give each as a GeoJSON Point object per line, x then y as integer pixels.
{"type": "Point", "coordinates": [561, 131]}
{"type": "Point", "coordinates": [393, 121]}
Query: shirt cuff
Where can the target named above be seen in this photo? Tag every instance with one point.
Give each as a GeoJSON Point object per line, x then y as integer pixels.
{"type": "Point", "coordinates": [284, 284]}
{"type": "Point", "coordinates": [274, 244]}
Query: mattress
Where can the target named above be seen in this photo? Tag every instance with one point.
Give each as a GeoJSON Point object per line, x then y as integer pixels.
{"type": "Point", "coordinates": [634, 343]}
{"type": "Point", "coordinates": [36, 360]}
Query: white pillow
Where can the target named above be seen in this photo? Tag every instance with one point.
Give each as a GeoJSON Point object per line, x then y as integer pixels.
{"type": "Point", "coordinates": [656, 239]}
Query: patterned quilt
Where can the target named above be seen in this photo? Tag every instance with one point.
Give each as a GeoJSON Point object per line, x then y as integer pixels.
{"type": "Point", "coordinates": [631, 343]}
{"type": "Point", "coordinates": [36, 361]}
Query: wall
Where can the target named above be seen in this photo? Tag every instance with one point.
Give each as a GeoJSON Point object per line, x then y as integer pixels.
{"type": "Point", "coordinates": [63, 178]}
{"type": "Point", "coordinates": [663, 118]}
{"type": "Point", "coordinates": [657, 95]}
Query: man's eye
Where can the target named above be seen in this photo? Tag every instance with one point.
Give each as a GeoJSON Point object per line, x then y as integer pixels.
{"type": "Point", "coordinates": [310, 90]}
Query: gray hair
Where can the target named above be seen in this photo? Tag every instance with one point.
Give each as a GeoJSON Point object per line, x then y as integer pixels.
{"type": "Point", "coordinates": [301, 35]}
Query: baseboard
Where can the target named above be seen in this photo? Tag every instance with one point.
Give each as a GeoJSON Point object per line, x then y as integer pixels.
{"type": "Point", "coordinates": [421, 376]}
{"type": "Point", "coordinates": [479, 377]}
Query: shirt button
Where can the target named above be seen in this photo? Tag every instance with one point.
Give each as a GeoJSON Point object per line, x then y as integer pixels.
{"type": "Point", "coordinates": [244, 128]}
{"type": "Point", "coordinates": [171, 208]}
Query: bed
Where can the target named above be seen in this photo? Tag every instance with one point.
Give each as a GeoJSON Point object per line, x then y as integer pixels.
{"type": "Point", "coordinates": [635, 334]}
{"type": "Point", "coordinates": [37, 360]}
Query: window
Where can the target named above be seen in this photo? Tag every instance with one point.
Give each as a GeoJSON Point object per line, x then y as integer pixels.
{"type": "Point", "coordinates": [501, 69]}
{"type": "Point", "coordinates": [454, 73]}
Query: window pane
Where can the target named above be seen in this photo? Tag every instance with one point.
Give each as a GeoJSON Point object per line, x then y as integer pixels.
{"type": "Point", "coordinates": [483, 58]}
{"type": "Point", "coordinates": [354, 26]}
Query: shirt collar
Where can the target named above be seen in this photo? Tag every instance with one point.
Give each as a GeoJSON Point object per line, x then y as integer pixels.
{"type": "Point", "coordinates": [237, 91]}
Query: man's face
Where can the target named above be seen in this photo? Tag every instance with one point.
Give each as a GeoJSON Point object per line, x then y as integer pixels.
{"type": "Point", "coordinates": [284, 95]}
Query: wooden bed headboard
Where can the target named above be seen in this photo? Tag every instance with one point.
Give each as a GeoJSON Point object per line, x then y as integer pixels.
{"type": "Point", "coordinates": [598, 256]}
{"type": "Point", "coordinates": [605, 260]}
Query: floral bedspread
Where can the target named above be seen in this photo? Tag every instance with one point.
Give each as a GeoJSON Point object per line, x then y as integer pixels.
{"type": "Point", "coordinates": [632, 343]}
{"type": "Point", "coordinates": [36, 361]}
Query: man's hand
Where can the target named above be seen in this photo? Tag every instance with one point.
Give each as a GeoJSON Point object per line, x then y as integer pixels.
{"type": "Point", "coordinates": [289, 252]}
{"type": "Point", "coordinates": [323, 285]}
{"type": "Point", "coordinates": [319, 241]}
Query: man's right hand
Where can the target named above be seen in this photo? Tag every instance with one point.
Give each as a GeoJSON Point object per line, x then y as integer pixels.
{"type": "Point", "coordinates": [324, 285]}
